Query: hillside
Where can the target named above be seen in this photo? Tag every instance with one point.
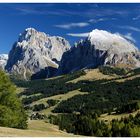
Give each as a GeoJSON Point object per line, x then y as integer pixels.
{"type": "Point", "coordinates": [36, 128]}
{"type": "Point", "coordinates": [109, 92]}
{"type": "Point", "coordinates": [64, 87]}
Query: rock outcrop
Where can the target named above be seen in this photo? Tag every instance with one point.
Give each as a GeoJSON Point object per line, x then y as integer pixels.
{"type": "Point", "coordinates": [100, 48]}
{"type": "Point", "coordinates": [3, 60]}
{"type": "Point", "coordinates": [35, 52]}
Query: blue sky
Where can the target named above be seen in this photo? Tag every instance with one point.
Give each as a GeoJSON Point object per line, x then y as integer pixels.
{"type": "Point", "coordinates": [71, 21]}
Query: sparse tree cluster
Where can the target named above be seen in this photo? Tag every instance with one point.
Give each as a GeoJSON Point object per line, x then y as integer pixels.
{"type": "Point", "coordinates": [90, 125]}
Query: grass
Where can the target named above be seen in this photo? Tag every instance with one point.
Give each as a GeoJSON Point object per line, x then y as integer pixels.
{"type": "Point", "coordinates": [19, 90]}
{"type": "Point", "coordinates": [93, 74]}
{"type": "Point", "coordinates": [41, 129]}
{"type": "Point", "coordinates": [108, 118]}
{"type": "Point", "coordinates": [59, 97]}
{"type": "Point", "coordinates": [131, 77]}
{"type": "Point", "coordinates": [37, 128]}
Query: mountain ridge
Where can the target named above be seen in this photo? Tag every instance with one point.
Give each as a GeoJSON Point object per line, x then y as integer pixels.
{"type": "Point", "coordinates": [39, 55]}
{"type": "Point", "coordinates": [100, 48]}
{"type": "Point", "coordinates": [35, 51]}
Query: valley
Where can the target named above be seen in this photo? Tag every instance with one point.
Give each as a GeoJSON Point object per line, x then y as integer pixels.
{"type": "Point", "coordinates": [76, 90]}
{"type": "Point", "coordinates": [63, 99]}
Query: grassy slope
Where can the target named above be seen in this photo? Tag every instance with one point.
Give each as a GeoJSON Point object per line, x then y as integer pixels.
{"type": "Point", "coordinates": [91, 74]}
{"type": "Point", "coordinates": [37, 128]}
{"type": "Point", "coordinates": [60, 98]}
{"type": "Point", "coordinates": [40, 128]}
{"type": "Point", "coordinates": [57, 97]}
{"type": "Point", "coordinates": [97, 75]}
{"type": "Point", "coordinates": [109, 118]}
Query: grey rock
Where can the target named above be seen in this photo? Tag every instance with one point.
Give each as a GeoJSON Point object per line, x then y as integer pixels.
{"type": "Point", "coordinates": [35, 51]}
{"type": "Point", "coordinates": [3, 60]}
{"type": "Point", "coordinates": [100, 48]}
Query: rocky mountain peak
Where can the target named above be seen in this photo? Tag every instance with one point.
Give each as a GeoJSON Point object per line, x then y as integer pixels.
{"type": "Point", "coordinates": [31, 34]}
{"type": "Point", "coordinates": [35, 51]}
{"type": "Point", "coordinates": [100, 48]}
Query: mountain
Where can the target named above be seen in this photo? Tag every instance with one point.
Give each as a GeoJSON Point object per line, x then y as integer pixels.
{"type": "Point", "coordinates": [36, 54]}
{"type": "Point", "coordinates": [100, 48]}
{"type": "Point", "coordinates": [3, 60]}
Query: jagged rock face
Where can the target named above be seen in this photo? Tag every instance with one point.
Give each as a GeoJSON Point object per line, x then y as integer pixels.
{"type": "Point", "coordinates": [100, 48]}
{"type": "Point", "coordinates": [35, 51]}
{"type": "Point", "coordinates": [3, 60]}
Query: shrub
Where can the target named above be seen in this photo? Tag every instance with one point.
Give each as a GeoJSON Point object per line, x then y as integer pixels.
{"type": "Point", "coordinates": [52, 102]}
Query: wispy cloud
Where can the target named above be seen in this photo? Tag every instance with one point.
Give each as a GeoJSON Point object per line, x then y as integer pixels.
{"type": "Point", "coordinates": [25, 11]}
{"type": "Point", "coordinates": [72, 25]}
{"type": "Point", "coordinates": [132, 28]}
{"type": "Point", "coordinates": [97, 20]}
{"type": "Point", "coordinates": [83, 24]}
{"type": "Point", "coordinates": [92, 10]}
{"type": "Point", "coordinates": [100, 20]}
{"type": "Point", "coordinates": [127, 36]}
{"type": "Point", "coordinates": [78, 34]}
{"type": "Point", "coordinates": [130, 37]}
{"type": "Point", "coordinates": [80, 24]}
{"type": "Point", "coordinates": [136, 18]}
{"type": "Point", "coordinates": [37, 11]}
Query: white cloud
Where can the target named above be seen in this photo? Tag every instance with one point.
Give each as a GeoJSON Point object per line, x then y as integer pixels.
{"type": "Point", "coordinates": [82, 24]}
{"type": "Point", "coordinates": [129, 37]}
{"type": "Point", "coordinates": [133, 28]}
{"type": "Point", "coordinates": [136, 18]}
{"type": "Point", "coordinates": [78, 34]}
{"type": "Point", "coordinates": [130, 28]}
{"type": "Point", "coordinates": [96, 20]}
{"type": "Point", "coordinates": [101, 19]}
{"type": "Point", "coordinates": [72, 25]}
